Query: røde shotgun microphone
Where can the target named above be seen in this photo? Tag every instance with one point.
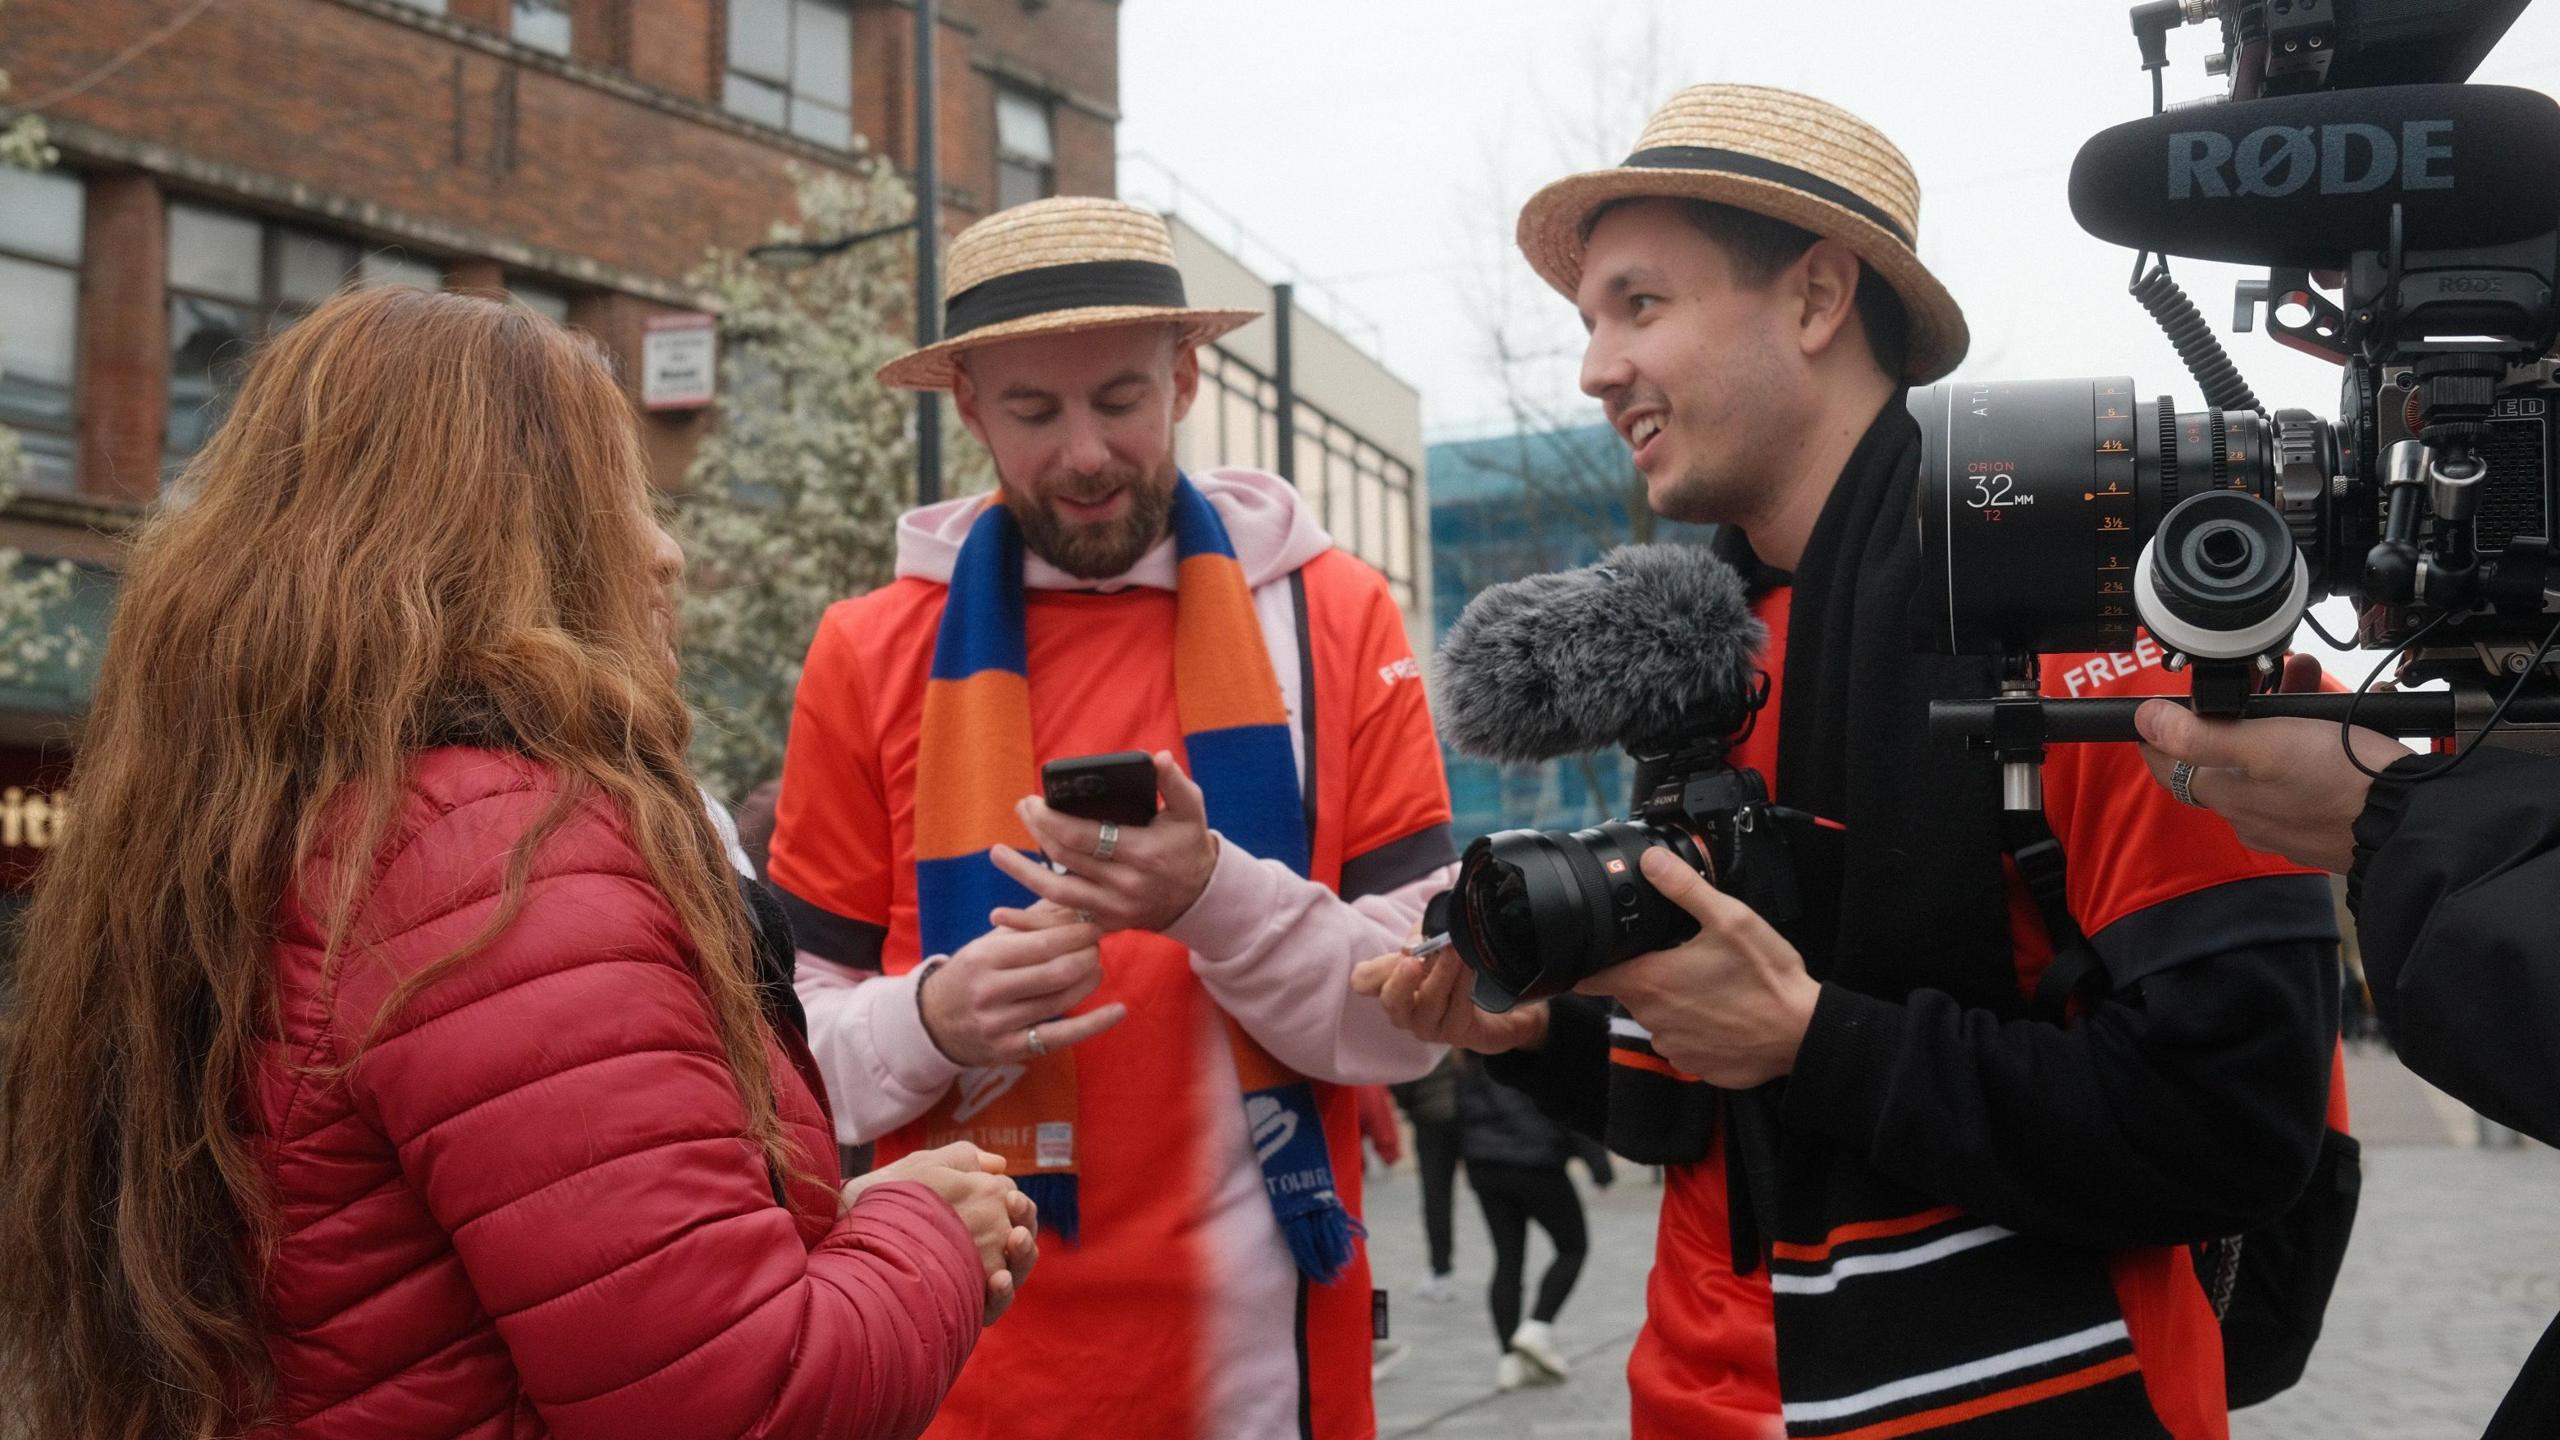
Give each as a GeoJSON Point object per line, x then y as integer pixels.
{"type": "Point", "coordinates": [1625, 651]}
{"type": "Point", "coordinates": [2308, 180]}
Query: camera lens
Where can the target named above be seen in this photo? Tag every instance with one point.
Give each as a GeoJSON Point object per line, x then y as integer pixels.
{"type": "Point", "coordinates": [2038, 496]}
{"type": "Point", "coordinates": [1503, 913]}
{"type": "Point", "coordinates": [1537, 910]}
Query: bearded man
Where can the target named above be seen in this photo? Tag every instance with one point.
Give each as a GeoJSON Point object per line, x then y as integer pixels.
{"type": "Point", "coordinates": [1153, 1023]}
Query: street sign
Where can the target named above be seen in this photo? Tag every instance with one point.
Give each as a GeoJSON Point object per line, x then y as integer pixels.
{"type": "Point", "coordinates": [679, 362]}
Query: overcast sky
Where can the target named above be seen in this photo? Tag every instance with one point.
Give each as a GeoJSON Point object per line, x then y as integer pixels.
{"type": "Point", "coordinates": [1382, 148]}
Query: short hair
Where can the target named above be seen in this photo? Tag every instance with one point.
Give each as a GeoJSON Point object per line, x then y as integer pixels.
{"type": "Point", "coordinates": [1759, 246]}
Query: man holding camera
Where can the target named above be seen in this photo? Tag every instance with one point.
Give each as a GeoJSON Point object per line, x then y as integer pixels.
{"type": "Point", "coordinates": [1973, 1218]}
{"type": "Point", "coordinates": [1151, 1020]}
{"type": "Point", "coordinates": [2452, 878]}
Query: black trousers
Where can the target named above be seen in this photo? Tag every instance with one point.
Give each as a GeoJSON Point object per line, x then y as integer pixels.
{"type": "Point", "coordinates": [1511, 1197]}
{"type": "Point", "coordinates": [1435, 1151]}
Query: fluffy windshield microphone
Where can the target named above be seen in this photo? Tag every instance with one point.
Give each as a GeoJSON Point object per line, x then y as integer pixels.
{"type": "Point", "coordinates": [2309, 180]}
{"type": "Point", "coordinates": [1608, 655]}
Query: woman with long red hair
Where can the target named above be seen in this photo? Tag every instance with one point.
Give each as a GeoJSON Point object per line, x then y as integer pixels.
{"type": "Point", "coordinates": [387, 1053]}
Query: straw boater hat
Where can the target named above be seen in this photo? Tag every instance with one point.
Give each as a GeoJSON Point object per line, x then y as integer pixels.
{"type": "Point", "coordinates": [1787, 156]}
{"type": "Point", "coordinates": [1055, 267]}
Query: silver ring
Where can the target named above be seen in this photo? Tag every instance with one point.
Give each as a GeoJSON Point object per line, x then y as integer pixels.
{"type": "Point", "coordinates": [2182, 779]}
{"type": "Point", "coordinates": [1085, 916]}
{"type": "Point", "coordinates": [1031, 1038]}
{"type": "Point", "coordinates": [1109, 844]}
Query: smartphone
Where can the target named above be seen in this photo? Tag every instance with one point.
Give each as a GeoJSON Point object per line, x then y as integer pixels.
{"type": "Point", "coordinates": [1119, 788]}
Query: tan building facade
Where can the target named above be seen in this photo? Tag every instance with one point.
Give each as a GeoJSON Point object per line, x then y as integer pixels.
{"type": "Point", "coordinates": [1357, 427]}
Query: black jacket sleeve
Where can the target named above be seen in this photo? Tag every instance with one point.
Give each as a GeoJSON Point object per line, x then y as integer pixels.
{"type": "Point", "coordinates": [1568, 1076]}
{"type": "Point", "coordinates": [2187, 1104]}
{"type": "Point", "coordinates": [2456, 889]}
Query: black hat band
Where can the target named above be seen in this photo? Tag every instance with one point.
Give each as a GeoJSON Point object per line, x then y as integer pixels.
{"type": "Point", "coordinates": [1078, 286]}
{"type": "Point", "coordinates": [1759, 167]}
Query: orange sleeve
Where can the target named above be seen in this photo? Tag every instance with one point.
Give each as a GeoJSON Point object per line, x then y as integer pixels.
{"type": "Point", "coordinates": [2131, 844]}
{"type": "Point", "coordinates": [831, 838]}
{"type": "Point", "coordinates": [1398, 789]}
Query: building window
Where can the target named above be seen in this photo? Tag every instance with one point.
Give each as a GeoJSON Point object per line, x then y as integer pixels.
{"type": "Point", "coordinates": [235, 280]}
{"type": "Point", "coordinates": [392, 267]}
{"type": "Point", "coordinates": [1026, 148]}
{"type": "Point", "coordinates": [791, 67]}
{"type": "Point", "coordinates": [542, 24]}
{"type": "Point", "coordinates": [39, 318]}
{"type": "Point", "coordinates": [541, 299]}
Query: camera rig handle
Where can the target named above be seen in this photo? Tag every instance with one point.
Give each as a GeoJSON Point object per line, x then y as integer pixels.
{"type": "Point", "coordinates": [2013, 724]}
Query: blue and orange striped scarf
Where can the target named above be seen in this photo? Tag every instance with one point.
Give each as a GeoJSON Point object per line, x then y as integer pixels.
{"type": "Point", "coordinates": [975, 762]}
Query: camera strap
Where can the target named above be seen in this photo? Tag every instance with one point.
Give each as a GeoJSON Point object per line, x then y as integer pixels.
{"type": "Point", "coordinates": [2075, 971]}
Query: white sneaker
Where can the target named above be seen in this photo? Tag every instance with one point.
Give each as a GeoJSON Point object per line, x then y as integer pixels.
{"type": "Point", "coordinates": [1536, 1341]}
{"type": "Point", "coordinates": [1438, 1290]}
{"type": "Point", "coordinates": [1384, 1357]}
{"type": "Point", "coordinates": [1512, 1372]}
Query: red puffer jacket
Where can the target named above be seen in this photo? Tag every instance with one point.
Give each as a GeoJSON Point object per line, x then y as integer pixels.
{"type": "Point", "coordinates": [527, 1211]}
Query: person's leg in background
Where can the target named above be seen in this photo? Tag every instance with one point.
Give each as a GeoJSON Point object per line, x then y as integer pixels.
{"type": "Point", "coordinates": [1506, 1216]}
{"type": "Point", "coordinates": [1595, 1158]}
{"type": "Point", "coordinates": [1435, 1154]}
{"type": "Point", "coordinates": [1548, 1197]}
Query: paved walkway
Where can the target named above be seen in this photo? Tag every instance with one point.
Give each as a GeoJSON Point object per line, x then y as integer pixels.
{"type": "Point", "coordinates": [2452, 1275]}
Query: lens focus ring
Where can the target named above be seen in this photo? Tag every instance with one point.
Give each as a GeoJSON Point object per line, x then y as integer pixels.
{"type": "Point", "coordinates": [2302, 475]}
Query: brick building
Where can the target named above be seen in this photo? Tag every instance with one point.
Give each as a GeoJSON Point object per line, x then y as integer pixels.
{"type": "Point", "coordinates": [226, 165]}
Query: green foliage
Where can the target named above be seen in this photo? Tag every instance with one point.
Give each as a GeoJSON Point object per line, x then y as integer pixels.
{"type": "Point", "coordinates": [792, 503]}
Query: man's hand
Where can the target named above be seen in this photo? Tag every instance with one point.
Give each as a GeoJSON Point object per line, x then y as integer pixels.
{"type": "Point", "coordinates": [1002, 1221]}
{"type": "Point", "coordinates": [981, 1004]}
{"type": "Point", "coordinates": [2284, 784]}
{"type": "Point", "coordinates": [1428, 997]}
{"type": "Point", "coordinates": [1155, 873]}
{"type": "Point", "coordinates": [1730, 1005]}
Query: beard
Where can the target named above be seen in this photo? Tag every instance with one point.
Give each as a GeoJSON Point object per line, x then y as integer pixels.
{"type": "Point", "coordinates": [1103, 549]}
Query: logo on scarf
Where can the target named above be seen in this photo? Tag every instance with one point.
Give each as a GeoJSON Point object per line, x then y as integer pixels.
{"type": "Point", "coordinates": [982, 1088]}
{"type": "Point", "coordinates": [1272, 1124]}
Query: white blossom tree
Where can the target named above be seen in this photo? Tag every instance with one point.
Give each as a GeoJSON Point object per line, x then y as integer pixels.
{"type": "Point", "coordinates": [31, 633]}
{"type": "Point", "coordinates": [792, 503]}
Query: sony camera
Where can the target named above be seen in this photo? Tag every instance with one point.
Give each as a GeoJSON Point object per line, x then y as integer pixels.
{"type": "Point", "coordinates": [1534, 911]}
{"type": "Point", "coordinates": [2412, 230]}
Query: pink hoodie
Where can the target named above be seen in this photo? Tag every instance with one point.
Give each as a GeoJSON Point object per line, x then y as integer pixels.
{"type": "Point", "coordinates": [1272, 532]}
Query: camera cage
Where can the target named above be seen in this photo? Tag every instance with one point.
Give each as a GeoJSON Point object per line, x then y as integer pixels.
{"type": "Point", "coordinates": [2422, 352]}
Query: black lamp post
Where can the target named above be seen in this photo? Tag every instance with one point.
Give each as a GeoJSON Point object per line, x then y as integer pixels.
{"type": "Point", "coordinates": [927, 225]}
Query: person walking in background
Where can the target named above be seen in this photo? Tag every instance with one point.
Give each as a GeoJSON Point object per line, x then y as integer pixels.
{"type": "Point", "coordinates": [1431, 1103]}
{"type": "Point", "coordinates": [1515, 1163]}
{"type": "Point", "coordinates": [387, 1057]}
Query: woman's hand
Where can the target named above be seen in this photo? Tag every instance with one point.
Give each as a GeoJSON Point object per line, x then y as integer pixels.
{"type": "Point", "coordinates": [1001, 1219]}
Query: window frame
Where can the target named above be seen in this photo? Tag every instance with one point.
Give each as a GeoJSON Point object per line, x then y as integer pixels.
{"type": "Point", "coordinates": [1008, 161]}
{"type": "Point", "coordinates": [67, 433]}
{"type": "Point", "coordinates": [783, 84]}
{"type": "Point", "coordinates": [272, 302]}
{"type": "Point", "coordinates": [568, 26]}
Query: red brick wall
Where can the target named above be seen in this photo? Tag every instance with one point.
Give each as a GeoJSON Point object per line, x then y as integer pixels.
{"type": "Point", "coordinates": [398, 123]}
{"type": "Point", "coordinates": [1064, 47]}
{"type": "Point", "coordinates": [124, 338]}
{"type": "Point", "coordinates": [677, 46]}
{"type": "Point", "coordinates": [385, 113]}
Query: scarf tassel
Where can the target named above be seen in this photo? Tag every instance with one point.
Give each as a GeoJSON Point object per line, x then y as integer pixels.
{"type": "Point", "coordinates": [1320, 1241]}
{"type": "Point", "coordinates": [1055, 1193]}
